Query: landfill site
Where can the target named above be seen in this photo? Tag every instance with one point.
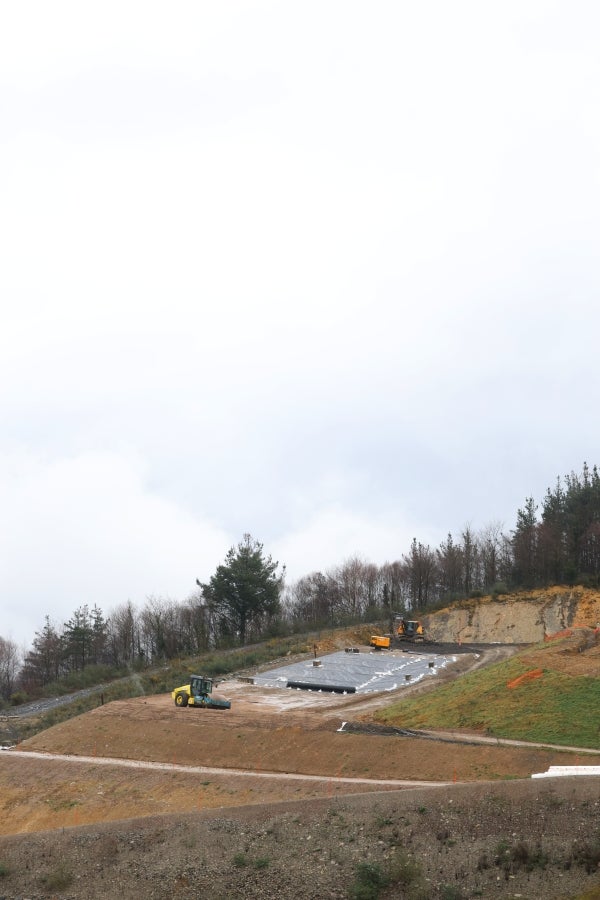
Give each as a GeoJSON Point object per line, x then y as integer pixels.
{"type": "Point", "coordinates": [289, 790]}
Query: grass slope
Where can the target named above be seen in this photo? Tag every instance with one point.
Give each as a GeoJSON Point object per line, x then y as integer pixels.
{"type": "Point", "coordinates": [556, 708]}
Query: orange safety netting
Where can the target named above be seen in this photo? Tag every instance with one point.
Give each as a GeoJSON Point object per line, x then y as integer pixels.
{"type": "Point", "coordinates": [528, 676]}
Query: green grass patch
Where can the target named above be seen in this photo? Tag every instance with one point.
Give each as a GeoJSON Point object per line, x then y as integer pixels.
{"type": "Point", "coordinates": [552, 709]}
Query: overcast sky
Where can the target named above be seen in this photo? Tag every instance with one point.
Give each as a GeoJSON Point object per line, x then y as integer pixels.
{"type": "Point", "coordinates": [324, 272]}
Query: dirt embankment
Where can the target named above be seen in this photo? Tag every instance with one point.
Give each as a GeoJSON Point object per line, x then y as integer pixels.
{"type": "Point", "coordinates": [303, 741]}
{"type": "Point", "coordinates": [518, 839]}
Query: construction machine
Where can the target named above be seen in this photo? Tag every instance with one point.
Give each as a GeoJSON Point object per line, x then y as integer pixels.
{"type": "Point", "coordinates": [380, 642]}
{"type": "Point", "coordinates": [409, 630]}
{"type": "Point", "coordinates": [199, 693]}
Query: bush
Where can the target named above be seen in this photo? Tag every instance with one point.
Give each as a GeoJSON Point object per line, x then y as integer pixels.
{"type": "Point", "coordinates": [451, 892]}
{"type": "Point", "coordinates": [370, 881]}
{"type": "Point", "coordinates": [59, 878]}
{"type": "Point", "coordinates": [588, 855]}
{"type": "Point", "coordinates": [499, 589]}
{"type": "Point", "coordinates": [402, 872]}
{"type": "Point", "coordinates": [406, 872]}
{"type": "Point", "coordinates": [18, 698]}
{"type": "Point", "coordinates": [520, 856]}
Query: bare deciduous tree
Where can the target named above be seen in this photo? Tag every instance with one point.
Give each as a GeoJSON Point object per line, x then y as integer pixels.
{"type": "Point", "coordinates": [10, 660]}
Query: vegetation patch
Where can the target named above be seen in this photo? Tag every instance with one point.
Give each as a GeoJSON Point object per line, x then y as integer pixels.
{"type": "Point", "coordinates": [549, 709]}
{"type": "Point", "coordinates": [401, 873]}
{"type": "Point", "coordinates": [58, 878]}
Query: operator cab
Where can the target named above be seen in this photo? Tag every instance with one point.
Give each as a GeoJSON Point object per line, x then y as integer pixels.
{"type": "Point", "coordinates": [200, 685]}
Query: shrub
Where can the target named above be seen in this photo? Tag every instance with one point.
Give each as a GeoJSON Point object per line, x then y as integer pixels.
{"type": "Point", "coordinates": [588, 855]}
{"type": "Point", "coordinates": [59, 878]}
{"type": "Point", "coordinates": [520, 856]}
{"type": "Point", "coordinates": [370, 881]}
{"type": "Point", "coordinates": [406, 872]}
{"type": "Point", "coordinates": [451, 892]}
{"type": "Point", "coordinates": [18, 698]}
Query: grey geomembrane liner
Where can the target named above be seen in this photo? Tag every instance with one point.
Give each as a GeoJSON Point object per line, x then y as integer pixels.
{"type": "Point", "coordinates": [366, 672]}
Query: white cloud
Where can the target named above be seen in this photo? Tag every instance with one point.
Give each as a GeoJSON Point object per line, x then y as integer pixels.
{"type": "Point", "coordinates": [88, 529]}
{"type": "Point", "coordinates": [335, 534]}
{"type": "Point", "coordinates": [325, 274]}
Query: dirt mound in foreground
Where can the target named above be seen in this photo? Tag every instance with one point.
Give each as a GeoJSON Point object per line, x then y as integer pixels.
{"type": "Point", "coordinates": [530, 839]}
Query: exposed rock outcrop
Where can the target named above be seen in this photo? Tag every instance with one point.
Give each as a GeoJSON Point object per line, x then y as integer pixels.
{"type": "Point", "coordinates": [521, 618]}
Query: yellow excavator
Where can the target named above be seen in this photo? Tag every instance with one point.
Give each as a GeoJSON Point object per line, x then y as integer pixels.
{"type": "Point", "coordinates": [409, 630]}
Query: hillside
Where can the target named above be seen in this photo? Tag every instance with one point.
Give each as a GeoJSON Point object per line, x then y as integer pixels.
{"type": "Point", "coordinates": [273, 799]}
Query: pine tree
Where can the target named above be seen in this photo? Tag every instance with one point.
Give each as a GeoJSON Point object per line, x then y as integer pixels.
{"type": "Point", "coordinates": [243, 594]}
{"type": "Point", "coordinates": [524, 543]}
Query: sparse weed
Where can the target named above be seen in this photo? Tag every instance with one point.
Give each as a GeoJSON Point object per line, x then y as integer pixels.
{"type": "Point", "coordinates": [483, 862]}
{"type": "Point", "coordinates": [406, 872]}
{"type": "Point", "coordinates": [58, 878]}
{"type": "Point", "coordinates": [445, 839]}
{"type": "Point", "coordinates": [451, 892]}
{"type": "Point", "coordinates": [587, 854]}
{"type": "Point", "coordinates": [512, 858]}
{"type": "Point", "coordinates": [382, 821]}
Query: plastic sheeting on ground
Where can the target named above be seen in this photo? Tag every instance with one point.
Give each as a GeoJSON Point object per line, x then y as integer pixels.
{"type": "Point", "coordinates": [365, 672]}
{"type": "Point", "coordinates": [555, 771]}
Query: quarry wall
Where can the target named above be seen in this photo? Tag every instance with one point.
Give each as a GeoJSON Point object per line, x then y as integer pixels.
{"type": "Point", "coordinates": [522, 618]}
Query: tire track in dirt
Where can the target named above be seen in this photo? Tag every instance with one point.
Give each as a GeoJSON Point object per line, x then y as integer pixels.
{"type": "Point", "coordinates": [211, 770]}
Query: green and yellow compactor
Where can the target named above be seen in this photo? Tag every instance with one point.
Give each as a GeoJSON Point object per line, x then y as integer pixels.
{"type": "Point", "coordinates": [199, 693]}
